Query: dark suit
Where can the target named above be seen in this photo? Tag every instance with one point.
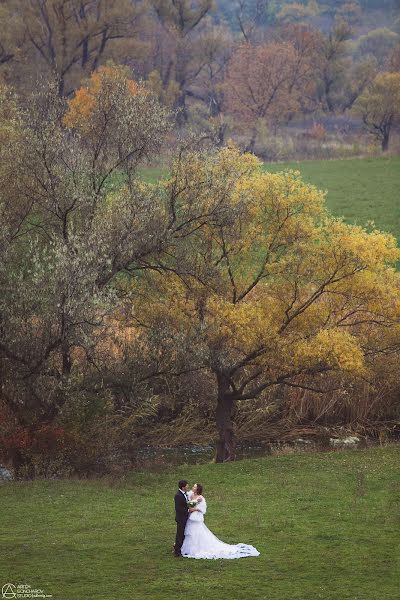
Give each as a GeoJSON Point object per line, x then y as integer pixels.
{"type": "Point", "coordinates": [181, 516]}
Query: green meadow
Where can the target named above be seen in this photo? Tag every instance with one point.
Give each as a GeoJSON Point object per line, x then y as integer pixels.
{"type": "Point", "coordinates": [326, 524]}
{"type": "Point", "coordinates": [359, 189]}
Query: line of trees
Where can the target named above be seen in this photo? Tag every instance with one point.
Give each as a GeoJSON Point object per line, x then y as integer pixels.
{"type": "Point", "coordinates": [229, 67]}
{"type": "Point", "coordinates": [116, 294]}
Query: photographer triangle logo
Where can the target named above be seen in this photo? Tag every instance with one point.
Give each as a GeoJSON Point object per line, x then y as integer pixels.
{"type": "Point", "coordinates": [8, 591]}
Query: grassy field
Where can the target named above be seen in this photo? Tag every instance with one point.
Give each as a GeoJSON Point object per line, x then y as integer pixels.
{"type": "Point", "coordinates": [358, 189]}
{"type": "Point", "coordinates": [326, 524]}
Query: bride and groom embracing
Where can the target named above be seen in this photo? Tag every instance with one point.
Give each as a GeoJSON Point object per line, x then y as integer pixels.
{"type": "Point", "coordinates": [193, 538]}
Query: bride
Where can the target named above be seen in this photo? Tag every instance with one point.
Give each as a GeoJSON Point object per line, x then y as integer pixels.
{"type": "Point", "coordinates": [200, 542]}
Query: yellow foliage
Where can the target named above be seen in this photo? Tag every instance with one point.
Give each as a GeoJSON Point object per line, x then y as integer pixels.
{"type": "Point", "coordinates": [212, 174]}
{"type": "Point", "coordinates": [335, 347]}
{"type": "Point", "coordinates": [283, 275]}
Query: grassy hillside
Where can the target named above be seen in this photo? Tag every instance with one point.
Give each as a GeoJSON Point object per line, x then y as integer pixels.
{"type": "Point", "coordinates": [358, 189]}
{"type": "Point", "coordinates": [326, 524]}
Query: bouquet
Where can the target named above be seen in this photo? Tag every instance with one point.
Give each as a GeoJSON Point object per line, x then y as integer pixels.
{"type": "Point", "coordinates": [192, 503]}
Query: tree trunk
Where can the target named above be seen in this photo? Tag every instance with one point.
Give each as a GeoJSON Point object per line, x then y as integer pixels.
{"type": "Point", "coordinates": [19, 461]}
{"type": "Point", "coordinates": [385, 140]}
{"type": "Point", "coordinates": [226, 442]}
{"type": "Point", "coordinates": [221, 134]}
{"type": "Point", "coordinates": [61, 85]}
{"type": "Point", "coordinates": [251, 145]}
{"type": "Point", "coordinates": [180, 105]}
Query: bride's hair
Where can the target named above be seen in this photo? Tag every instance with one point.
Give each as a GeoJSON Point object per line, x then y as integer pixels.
{"type": "Point", "coordinates": [199, 489]}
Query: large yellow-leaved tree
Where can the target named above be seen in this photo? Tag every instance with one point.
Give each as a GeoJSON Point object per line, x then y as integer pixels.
{"type": "Point", "coordinates": [273, 291]}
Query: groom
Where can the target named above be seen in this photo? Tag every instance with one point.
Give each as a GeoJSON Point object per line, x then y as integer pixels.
{"type": "Point", "coordinates": [181, 515]}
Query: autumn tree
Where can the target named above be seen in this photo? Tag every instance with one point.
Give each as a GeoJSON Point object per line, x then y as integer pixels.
{"type": "Point", "coordinates": [264, 83]}
{"type": "Point", "coordinates": [10, 37]}
{"type": "Point", "coordinates": [216, 47]}
{"type": "Point", "coordinates": [358, 77]}
{"type": "Point", "coordinates": [181, 14]}
{"type": "Point", "coordinates": [182, 37]}
{"type": "Point", "coordinates": [70, 38]}
{"type": "Point", "coordinates": [379, 107]}
{"type": "Point", "coordinates": [73, 216]}
{"type": "Point", "coordinates": [206, 94]}
{"type": "Point", "coordinates": [251, 16]}
{"type": "Point", "coordinates": [275, 292]}
{"type": "Point", "coordinates": [378, 43]}
{"type": "Point", "coordinates": [334, 60]}
{"type": "Point", "coordinates": [78, 227]}
{"type": "Point", "coordinates": [306, 44]}
{"type": "Point", "coordinates": [325, 73]}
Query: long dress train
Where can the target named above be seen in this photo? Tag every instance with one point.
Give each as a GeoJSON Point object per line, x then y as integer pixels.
{"type": "Point", "coordinates": [200, 542]}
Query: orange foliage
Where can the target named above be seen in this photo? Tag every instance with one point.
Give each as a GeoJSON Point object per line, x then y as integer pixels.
{"type": "Point", "coordinates": [267, 82]}
{"type": "Point", "coordinates": [317, 132]}
{"type": "Point", "coordinates": [86, 99]}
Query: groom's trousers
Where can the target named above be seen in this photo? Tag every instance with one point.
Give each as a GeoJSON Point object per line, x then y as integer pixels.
{"type": "Point", "coordinates": [180, 534]}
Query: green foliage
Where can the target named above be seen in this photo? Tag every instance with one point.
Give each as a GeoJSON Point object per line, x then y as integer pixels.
{"type": "Point", "coordinates": [378, 43]}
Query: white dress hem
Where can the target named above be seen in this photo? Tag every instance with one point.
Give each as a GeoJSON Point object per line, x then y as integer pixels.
{"type": "Point", "coordinates": [201, 543]}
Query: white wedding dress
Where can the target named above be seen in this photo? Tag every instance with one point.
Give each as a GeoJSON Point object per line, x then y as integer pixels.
{"type": "Point", "coordinates": [200, 542]}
